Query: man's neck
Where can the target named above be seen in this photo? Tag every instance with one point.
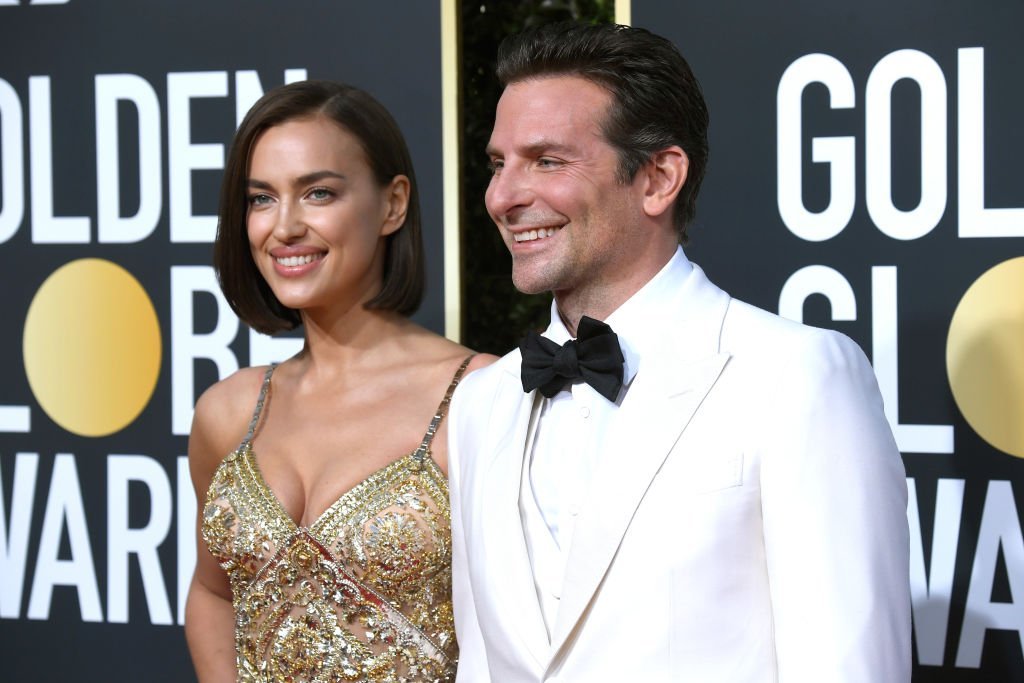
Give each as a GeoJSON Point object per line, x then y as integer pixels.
{"type": "Point", "coordinates": [600, 300]}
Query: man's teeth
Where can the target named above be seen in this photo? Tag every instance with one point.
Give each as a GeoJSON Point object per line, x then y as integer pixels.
{"type": "Point", "coordinates": [531, 235]}
{"type": "Point", "coordinates": [289, 261]}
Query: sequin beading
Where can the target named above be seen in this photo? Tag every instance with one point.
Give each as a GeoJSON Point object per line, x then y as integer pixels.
{"type": "Point", "coordinates": [361, 594]}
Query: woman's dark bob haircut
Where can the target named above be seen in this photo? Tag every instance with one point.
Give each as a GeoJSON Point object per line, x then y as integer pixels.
{"type": "Point", "coordinates": [365, 118]}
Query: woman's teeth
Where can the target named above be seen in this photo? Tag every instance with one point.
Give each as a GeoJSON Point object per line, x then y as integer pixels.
{"type": "Point", "coordinates": [289, 261]}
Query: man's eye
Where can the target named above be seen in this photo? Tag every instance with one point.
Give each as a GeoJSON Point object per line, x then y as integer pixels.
{"type": "Point", "coordinates": [546, 162]}
{"type": "Point", "coordinates": [495, 165]}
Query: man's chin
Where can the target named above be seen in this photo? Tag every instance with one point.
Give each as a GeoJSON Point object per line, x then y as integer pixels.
{"type": "Point", "coordinates": [530, 285]}
{"type": "Point", "coordinates": [530, 290]}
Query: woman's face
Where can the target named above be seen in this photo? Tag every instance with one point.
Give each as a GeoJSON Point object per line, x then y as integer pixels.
{"type": "Point", "coordinates": [317, 217]}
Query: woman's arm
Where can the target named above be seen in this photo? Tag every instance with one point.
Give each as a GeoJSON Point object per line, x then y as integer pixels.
{"type": "Point", "coordinates": [209, 615]}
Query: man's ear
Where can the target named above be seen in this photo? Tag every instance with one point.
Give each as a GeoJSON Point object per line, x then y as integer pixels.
{"type": "Point", "coordinates": [396, 197]}
{"type": "Point", "coordinates": [666, 173]}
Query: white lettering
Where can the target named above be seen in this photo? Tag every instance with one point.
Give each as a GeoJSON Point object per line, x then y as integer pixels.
{"type": "Point", "coordinates": [14, 539]}
{"type": "Point", "coordinates": [264, 349]}
{"type": "Point", "coordinates": [838, 152]}
{"type": "Point", "coordinates": [111, 226]}
{"type": "Point", "coordinates": [64, 508]}
{"type": "Point", "coordinates": [12, 191]}
{"type": "Point", "coordinates": [187, 345]}
{"type": "Point", "coordinates": [922, 69]}
{"type": "Point", "coordinates": [911, 438]}
{"type": "Point", "coordinates": [1000, 527]}
{"type": "Point", "coordinates": [186, 522]}
{"type": "Point", "coordinates": [185, 157]}
{"type": "Point", "coordinates": [248, 89]}
{"type": "Point", "coordinates": [816, 279]}
{"type": "Point", "coordinates": [15, 419]}
{"type": "Point", "coordinates": [932, 592]}
{"type": "Point", "coordinates": [47, 228]}
{"type": "Point", "coordinates": [142, 542]}
{"type": "Point", "coordinates": [975, 220]}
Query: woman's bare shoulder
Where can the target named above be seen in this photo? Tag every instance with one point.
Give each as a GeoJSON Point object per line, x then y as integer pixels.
{"type": "Point", "coordinates": [439, 373]}
{"type": "Point", "coordinates": [222, 414]}
{"type": "Point", "coordinates": [444, 351]}
{"type": "Point", "coordinates": [233, 395]}
{"type": "Point", "coordinates": [480, 360]}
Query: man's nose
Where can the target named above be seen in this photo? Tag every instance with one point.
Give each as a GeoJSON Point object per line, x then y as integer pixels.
{"type": "Point", "coordinates": [508, 190]}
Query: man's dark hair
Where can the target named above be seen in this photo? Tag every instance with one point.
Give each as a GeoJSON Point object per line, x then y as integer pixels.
{"type": "Point", "coordinates": [656, 100]}
{"type": "Point", "coordinates": [369, 122]}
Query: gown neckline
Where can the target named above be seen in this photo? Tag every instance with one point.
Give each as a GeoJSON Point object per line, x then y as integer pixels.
{"type": "Point", "coordinates": [418, 456]}
{"type": "Point", "coordinates": [268, 492]}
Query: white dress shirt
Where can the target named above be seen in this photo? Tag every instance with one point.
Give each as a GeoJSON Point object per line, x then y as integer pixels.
{"type": "Point", "coordinates": [567, 446]}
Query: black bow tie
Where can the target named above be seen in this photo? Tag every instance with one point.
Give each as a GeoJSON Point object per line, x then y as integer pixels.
{"type": "Point", "coordinates": [594, 356]}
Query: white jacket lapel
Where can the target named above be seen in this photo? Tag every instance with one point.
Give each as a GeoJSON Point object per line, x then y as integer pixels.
{"type": "Point", "coordinates": [502, 544]}
{"type": "Point", "coordinates": [666, 392]}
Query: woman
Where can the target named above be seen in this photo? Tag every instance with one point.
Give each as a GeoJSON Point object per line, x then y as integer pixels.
{"type": "Point", "coordinates": [327, 549]}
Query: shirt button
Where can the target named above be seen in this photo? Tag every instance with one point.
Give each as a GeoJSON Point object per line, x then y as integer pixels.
{"type": "Point", "coordinates": [584, 412]}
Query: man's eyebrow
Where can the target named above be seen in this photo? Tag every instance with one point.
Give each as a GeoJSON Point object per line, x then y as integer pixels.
{"type": "Point", "coordinates": [536, 148]}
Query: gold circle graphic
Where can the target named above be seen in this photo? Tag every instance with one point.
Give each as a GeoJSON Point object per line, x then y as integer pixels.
{"type": "Point", "coordinates": [92, 347]}
{"type": "Point", "coordinates": [985, 356]}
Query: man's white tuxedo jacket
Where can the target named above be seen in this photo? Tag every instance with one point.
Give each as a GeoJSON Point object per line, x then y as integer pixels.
{"type": "Point", "coordinates": [749, 527]}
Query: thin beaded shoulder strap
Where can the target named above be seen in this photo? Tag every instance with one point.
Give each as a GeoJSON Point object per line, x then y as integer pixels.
{"type": "Point", "coordinates": [424, 448]}
{"type": "Point", "coordinates": [258, 410]}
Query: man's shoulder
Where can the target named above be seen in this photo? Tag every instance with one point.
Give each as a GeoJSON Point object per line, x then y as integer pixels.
{"type": "Point", "coordinates": [490, 377]}
{"type": "Point", "coordinates": [473, 405]}
{"type": "Point", "coordinates": [754, 333]}
{"type": "Point", "coordinates": [747, 324]}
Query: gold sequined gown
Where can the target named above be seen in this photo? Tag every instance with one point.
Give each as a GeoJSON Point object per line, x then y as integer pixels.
{"type": "Point", "coordinates": [362, 594]}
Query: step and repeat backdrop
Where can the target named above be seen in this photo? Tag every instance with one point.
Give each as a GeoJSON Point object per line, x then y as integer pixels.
{"type": "Point", "coordinates": [866, 176]}
{"type": "Point", "coordinates": [114, 121]}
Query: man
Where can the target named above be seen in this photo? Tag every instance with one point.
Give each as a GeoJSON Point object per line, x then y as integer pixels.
{"type": "Point", "coordinates": [726, 502]}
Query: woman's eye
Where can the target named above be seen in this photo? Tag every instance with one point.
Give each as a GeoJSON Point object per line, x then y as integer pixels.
{"type": "Point", "coordinates": [259, 199]}
{"type": "Point", "coordinates": [320, 194]}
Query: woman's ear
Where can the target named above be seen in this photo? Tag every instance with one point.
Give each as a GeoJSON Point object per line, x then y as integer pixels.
{"type": "Point", "coordinates": [666, 173]}
{"type": "Point", "coordinates": [396, 197]}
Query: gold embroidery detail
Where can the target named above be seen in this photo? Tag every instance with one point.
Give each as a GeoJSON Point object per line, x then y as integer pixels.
{"type": "Point", "coordinates": [363, 594]}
